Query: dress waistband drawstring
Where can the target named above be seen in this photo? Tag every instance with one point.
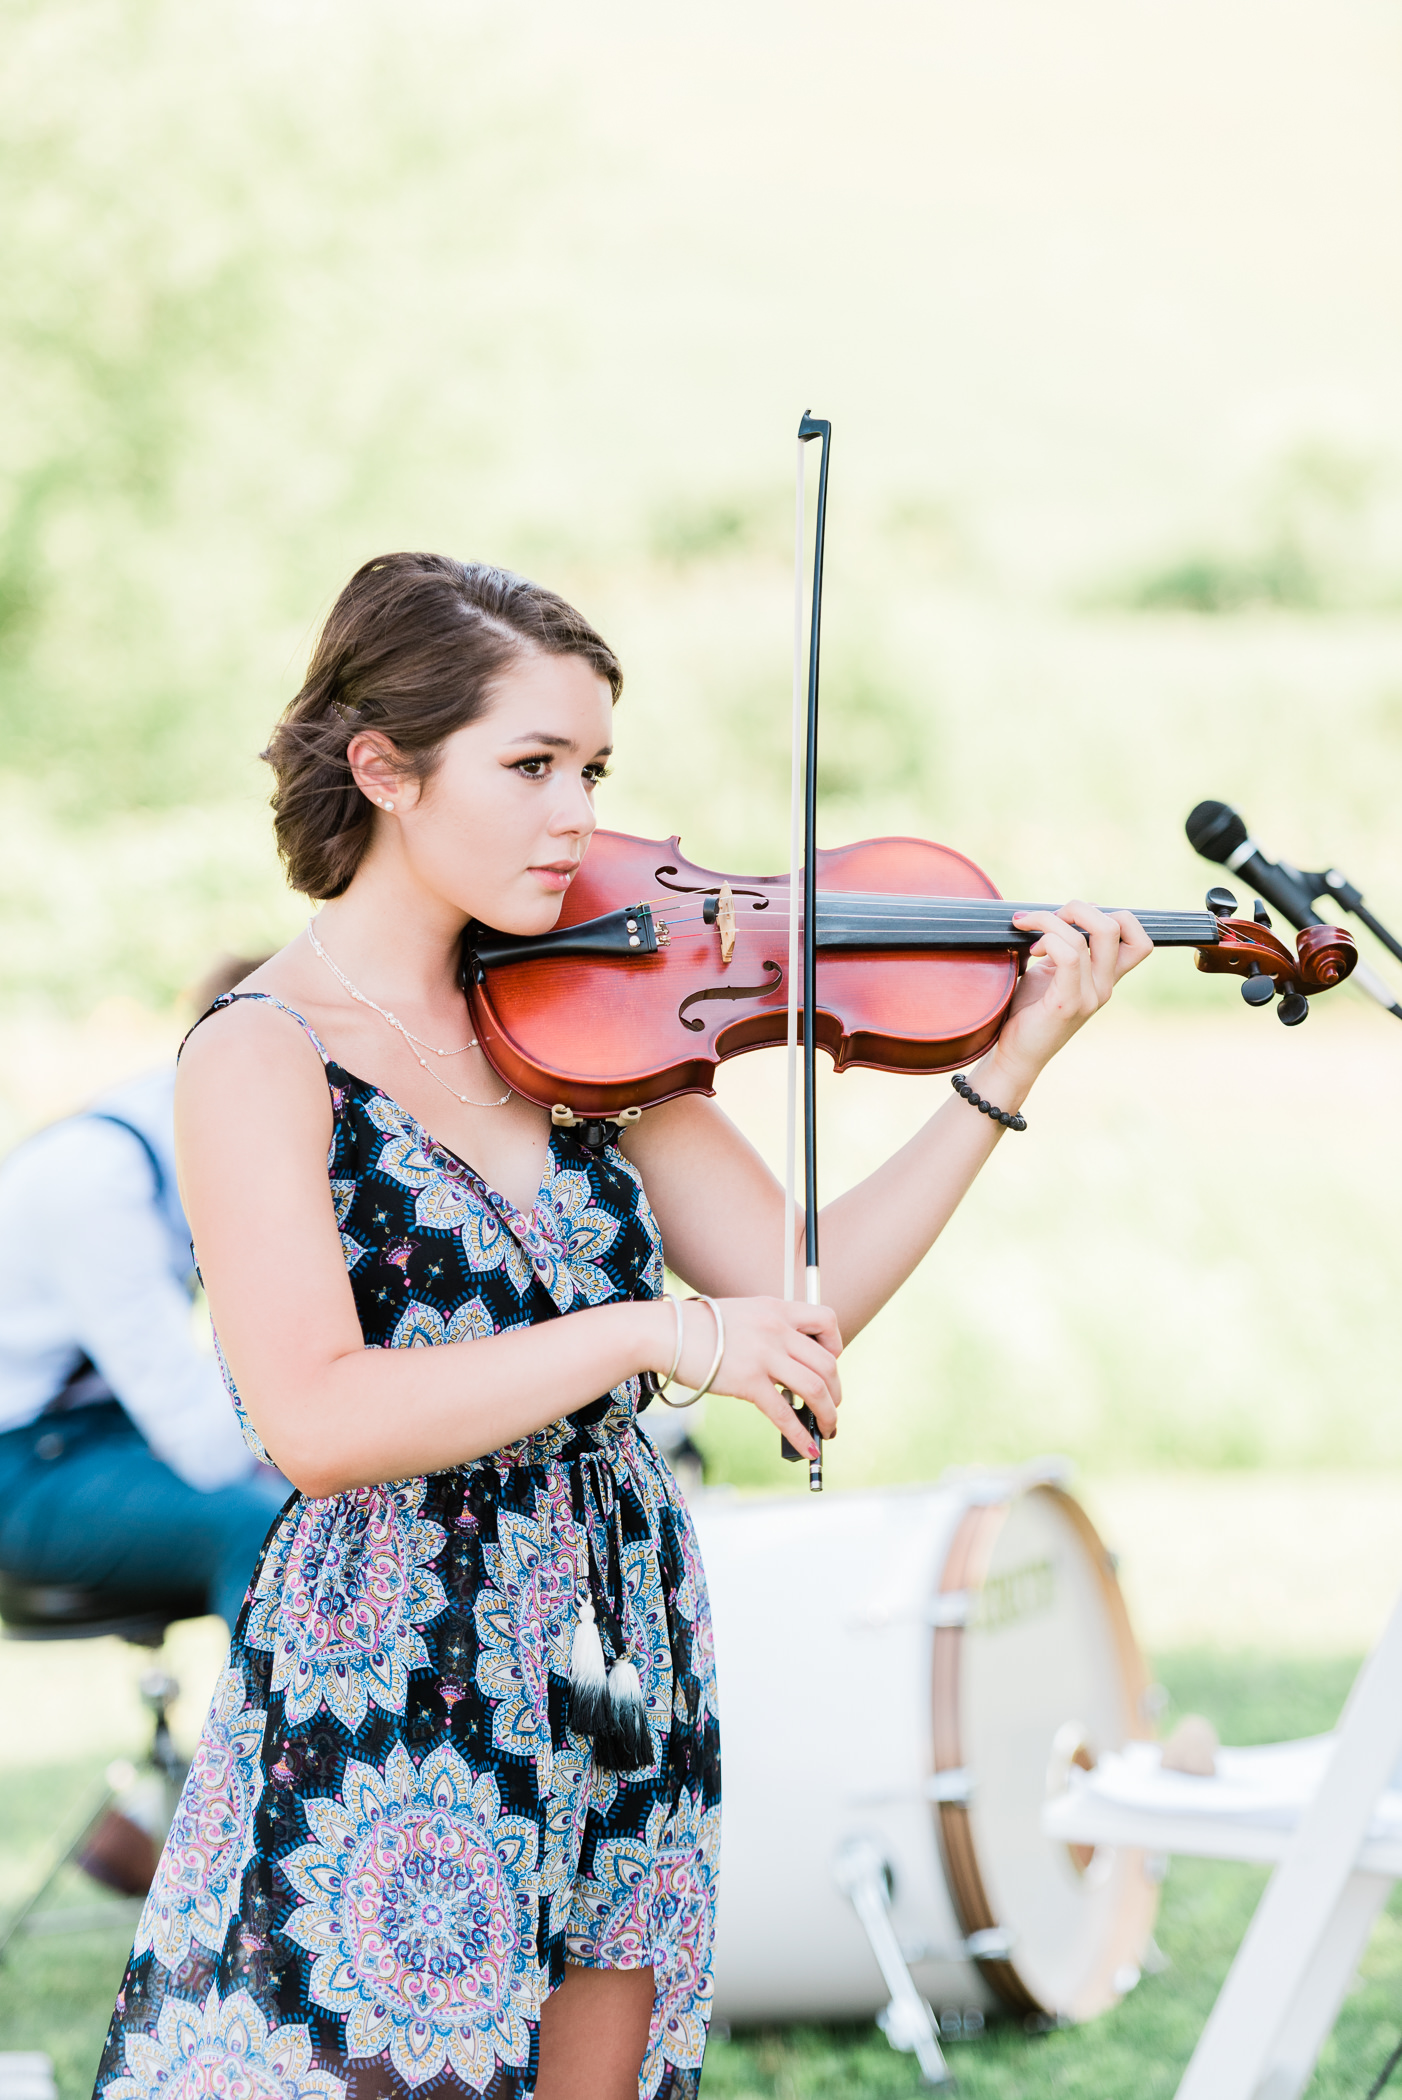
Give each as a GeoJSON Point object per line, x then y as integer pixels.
{"type": "Point", "coordinates": [607, 1706]}
{"type": "Point", "coordinates": [606, 1698]}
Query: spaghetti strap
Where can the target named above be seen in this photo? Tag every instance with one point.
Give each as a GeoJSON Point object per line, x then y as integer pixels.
{"type": "Point", "coordinates": [266, 999]}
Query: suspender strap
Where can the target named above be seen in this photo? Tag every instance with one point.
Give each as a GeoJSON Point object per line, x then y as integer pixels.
{"type": "Point", "coordinates": [100, 1115]}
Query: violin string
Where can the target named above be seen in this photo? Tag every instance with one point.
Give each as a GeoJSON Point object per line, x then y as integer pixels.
{"type": "Point", "coordinates": [832, 923]}
{"type": "Point", "coordinates": [1193, 929]}
{"type": "Point", "coordinates": [835, 904]}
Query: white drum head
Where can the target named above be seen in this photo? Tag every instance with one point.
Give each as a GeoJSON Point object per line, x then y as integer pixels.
{"type": "Point", "coordinates": [1043, 1672]}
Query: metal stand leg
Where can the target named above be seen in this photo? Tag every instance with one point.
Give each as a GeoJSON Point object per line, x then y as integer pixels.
{"type": "Point", "coordinates": [119, 1775]}
{"type": "Point", "coordinates": [158, 1691]}
{"type": "Point", "coordinates": [908, 2023]}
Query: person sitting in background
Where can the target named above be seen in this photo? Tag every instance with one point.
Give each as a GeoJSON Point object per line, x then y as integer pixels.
{"type": "Point", "coordinates": [122, 1468]}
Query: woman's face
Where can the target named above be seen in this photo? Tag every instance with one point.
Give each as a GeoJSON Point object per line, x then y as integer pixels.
{"type": "Point", "coordinates": [501, 826]}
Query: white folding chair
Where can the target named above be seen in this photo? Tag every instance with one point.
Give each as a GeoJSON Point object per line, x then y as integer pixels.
{"type": "Point", "coordinates": [1326, 1812]}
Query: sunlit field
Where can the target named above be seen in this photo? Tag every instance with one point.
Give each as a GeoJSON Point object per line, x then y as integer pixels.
{"type": "Point", "coordinates": [1106, 306]}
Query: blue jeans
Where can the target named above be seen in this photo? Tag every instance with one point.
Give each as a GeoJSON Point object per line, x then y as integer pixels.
{"type": "Point", "coordinates": [84, 1500]}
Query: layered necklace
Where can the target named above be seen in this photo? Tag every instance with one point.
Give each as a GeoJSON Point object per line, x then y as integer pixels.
{"type": "Point", "coordinates": [415, 1042]}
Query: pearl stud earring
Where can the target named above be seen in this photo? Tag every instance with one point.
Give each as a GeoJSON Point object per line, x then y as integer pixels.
{"type": "Point", "coordinates": [386, 805]}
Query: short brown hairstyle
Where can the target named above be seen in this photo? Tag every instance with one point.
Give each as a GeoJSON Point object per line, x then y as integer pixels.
{"type": "Point", "coordinates": [412, 647]}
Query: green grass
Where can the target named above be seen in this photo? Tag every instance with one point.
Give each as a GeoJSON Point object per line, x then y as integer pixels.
{"type": "Point", "coordinates": [1139, 2051]}
{"type": "Point", "coordinates": [57, 1994]}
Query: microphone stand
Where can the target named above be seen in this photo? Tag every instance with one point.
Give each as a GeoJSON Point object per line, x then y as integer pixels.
{"type": "Point", "coordinates": [1328, 882]}
{"type": "Point", "coordinates": [1218, 832]}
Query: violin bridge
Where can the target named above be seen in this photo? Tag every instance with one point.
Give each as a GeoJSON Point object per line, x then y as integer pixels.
{"type": "Point", "coordinates": [725, 921]}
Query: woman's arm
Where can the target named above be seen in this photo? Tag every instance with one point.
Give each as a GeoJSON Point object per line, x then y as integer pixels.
{"type": "Point", "coordinates": [253, 1124]}
{"type": "Point", "coordinates": [723, 1224]}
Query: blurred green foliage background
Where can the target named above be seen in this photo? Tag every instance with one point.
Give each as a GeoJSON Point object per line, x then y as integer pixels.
{"type": "Point", "coordinates": [1105, 301]}
{"type": "Point", "coordinates": [1107, 308]}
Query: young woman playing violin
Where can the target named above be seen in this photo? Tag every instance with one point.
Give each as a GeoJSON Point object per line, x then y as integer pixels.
{"type": "Point", "coordinates": [455, 1813]}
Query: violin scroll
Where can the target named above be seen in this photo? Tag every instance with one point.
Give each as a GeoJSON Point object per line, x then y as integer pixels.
{"type": "Point", "coordinates": [1323, 957]}
{"type": "Point", "coordinates": [1327, 954]}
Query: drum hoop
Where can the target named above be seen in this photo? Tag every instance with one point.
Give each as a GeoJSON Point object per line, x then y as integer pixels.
{"type": "Point", "coordinates": [966, 1569]}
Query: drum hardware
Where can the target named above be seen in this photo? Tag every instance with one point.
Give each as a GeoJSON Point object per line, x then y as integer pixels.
{"type": "Point", "coordinates": [962, 1662]}
{"type": "Point", "coordinates": [956, 1785]}
{"type": "Point", "coordinates": [950, 1609]}
{"type": "Point", "coordinates": [955, 1608]}
{"type": "Point", "coordinates": [961, 2023]}
{"type": "Point", "coordinates": [993, 1944]}
{"type": "Point", "coordinates": [907, 2021]}
{"type": "Point", "coordinates": [984, 1946]}
{"type": "Point", "coordinates": [981, 1484]}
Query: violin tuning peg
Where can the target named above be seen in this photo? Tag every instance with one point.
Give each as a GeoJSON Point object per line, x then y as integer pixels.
{"type": "Point", "coordinates": [1221, 904]}
{"type": "Point", "coordinates": [1261, 915]}
{"type": "Point", "coordinates": [1293, 1009]}
{"type": "Point", "coordinates": [1258, 989]}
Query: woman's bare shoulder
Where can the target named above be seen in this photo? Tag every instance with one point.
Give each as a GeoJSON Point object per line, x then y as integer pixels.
{"type": "Point", "coordinates": [261, 1045]}
{"type": "Point", "coordinates": [253, 1122]}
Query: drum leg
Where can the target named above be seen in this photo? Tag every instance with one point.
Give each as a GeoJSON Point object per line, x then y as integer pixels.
{"type": "Point", "coordinates": [908, 2023]}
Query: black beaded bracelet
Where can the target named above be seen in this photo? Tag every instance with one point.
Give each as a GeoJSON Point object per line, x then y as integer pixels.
{"type": "Point", "coordinates": [1000, 1115]}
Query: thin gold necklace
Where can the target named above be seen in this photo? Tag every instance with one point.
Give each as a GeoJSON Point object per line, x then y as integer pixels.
{"type": "Point", "coordinates": [415, 1042]}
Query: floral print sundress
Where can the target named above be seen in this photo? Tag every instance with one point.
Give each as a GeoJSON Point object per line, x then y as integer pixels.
{"type": "Point", "coordinates": [391, 1839]}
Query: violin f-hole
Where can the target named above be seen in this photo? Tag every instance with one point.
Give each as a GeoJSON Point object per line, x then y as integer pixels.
{"type": "Point", "coordinates": [730, 991]}
{"type": "Point", "coordinates": [694, 889]}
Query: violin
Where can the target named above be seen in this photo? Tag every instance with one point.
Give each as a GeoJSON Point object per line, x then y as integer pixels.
{"type": "Point", "coordinates": [659, 970]}
{"type": "Point", "coordinates": [901, 952]}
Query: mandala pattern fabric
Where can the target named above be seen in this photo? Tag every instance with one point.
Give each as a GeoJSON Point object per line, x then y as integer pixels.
{"type": "Point", "coordinates": [391, 1839]}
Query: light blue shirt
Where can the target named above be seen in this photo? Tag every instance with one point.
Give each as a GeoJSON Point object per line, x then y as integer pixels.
{"type": "Point", "coordinates": [95, 1262]}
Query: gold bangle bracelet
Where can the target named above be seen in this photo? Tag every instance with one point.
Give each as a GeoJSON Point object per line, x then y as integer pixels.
{"type": "Point", "coordinates": [702, 1299]}
{"type": "Point", "coordinates": [661, 1393]}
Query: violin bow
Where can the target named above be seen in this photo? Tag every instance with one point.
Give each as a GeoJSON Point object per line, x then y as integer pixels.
{"type": "Point", "coordinates": [803, 827]}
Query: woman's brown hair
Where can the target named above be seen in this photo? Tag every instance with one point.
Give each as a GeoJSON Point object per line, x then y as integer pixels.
{"type": "Point", "coordinates": [412, 647]}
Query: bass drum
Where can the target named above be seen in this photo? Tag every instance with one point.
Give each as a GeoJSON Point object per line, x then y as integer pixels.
{"type": "Point", "coordinates": [916, 1669]}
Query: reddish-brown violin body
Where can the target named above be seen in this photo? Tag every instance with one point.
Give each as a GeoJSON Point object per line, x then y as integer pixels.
{"type": "Point", "coordinates": [648, 982]}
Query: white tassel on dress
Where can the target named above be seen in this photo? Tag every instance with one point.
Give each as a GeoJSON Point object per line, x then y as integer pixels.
{"type": "Point", "coordinates": [588, 1677]}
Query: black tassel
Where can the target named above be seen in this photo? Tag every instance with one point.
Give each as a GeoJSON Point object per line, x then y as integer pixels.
{"type": "Point", "coordinates": [622, 1741]}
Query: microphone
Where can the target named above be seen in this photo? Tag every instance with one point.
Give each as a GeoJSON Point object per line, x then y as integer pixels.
{"type": "Point", "coordinates": [1217, 832]}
